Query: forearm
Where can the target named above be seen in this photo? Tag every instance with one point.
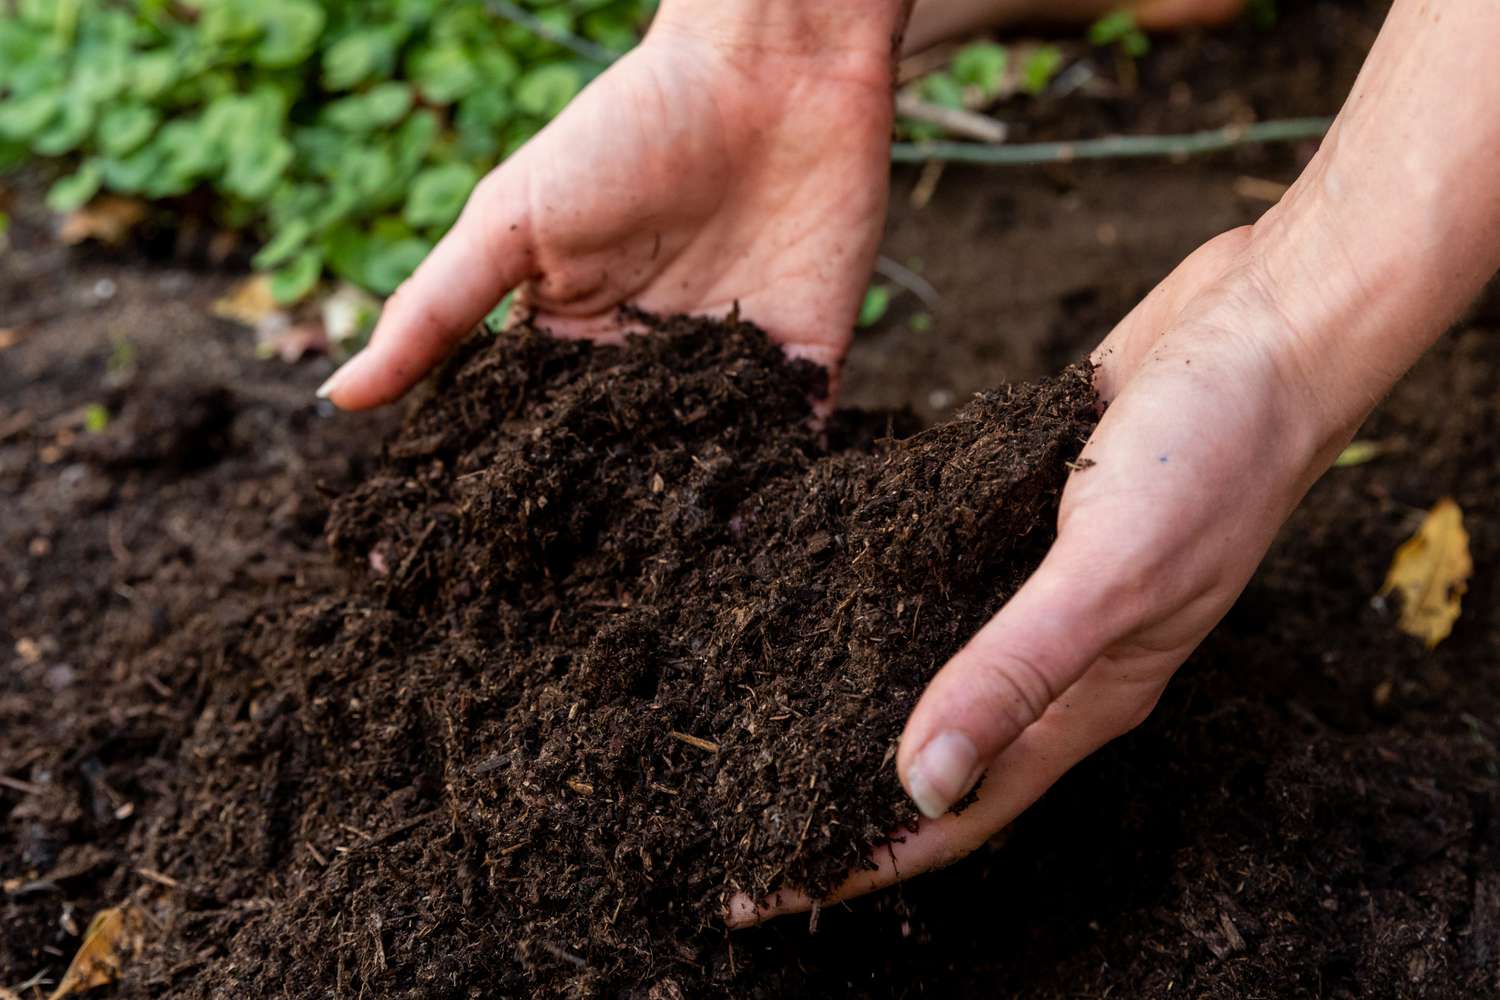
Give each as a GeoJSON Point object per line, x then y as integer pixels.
{"type": "Point", "coordinates": [1395, 225]}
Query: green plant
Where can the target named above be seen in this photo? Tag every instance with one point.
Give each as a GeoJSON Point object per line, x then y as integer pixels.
{"type": "Point", "coordinates": [1039, 67]}
{"type": "Point", "coordinates": [1118, 28]}
{"type": "Point", "coordinates": [876, 304]}
{"type": "Point", "coordinates": [347, 133]}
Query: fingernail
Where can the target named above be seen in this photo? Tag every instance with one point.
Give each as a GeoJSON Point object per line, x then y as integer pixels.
{"type": "Point", "coordinates": [942, 772]}
{"type": "Point", "coordinates": [331, 386]}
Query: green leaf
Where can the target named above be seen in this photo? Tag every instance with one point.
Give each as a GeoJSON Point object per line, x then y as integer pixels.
{"type": "Point", "coordinates": [292, 283]}
{"type": "Point", "coordinates": [1039, 68]}
{"type": "Point", "coordinates": [358, 57]}
{"type": "Point", "coordinates": [546, 90]}
{"type": "Point", "coordinates": [152, 74]}
{"type": "Point", "coordinates": [124, 128]}
{"type": "Point", "coordinates": [287, 242]}
{"type": "Point", "coordinates": [390, 264]}
{"type": "Point", "coordinates": [981, 65]}
{"type": "Point", "coordinates": [134, 173]}
{"type": "Point", "coordinates": [95, 418]}
{"type": "Point", "coordinates": [76, 190]}
{"type": "Point", "coordinates": [500, 315]}
{"type": "Point", "coordinates": [479, 121]}
{"type": "Point", "coordinates": [369, 173]}
{"type": "Point", "coordinates": [257, 166]}
{"type": "Point", "coordinates": [68, 131]}
{"type": "Point", "coordinates": [438, 195]}
{"type": "Point", "coordinates": [292, 28]}
{"type": "Point", "coordinates": [380, 106]}
{"type": "Point", "coordinates": [1112, 27]}
{"type": "Point", "coordinates": [414, 139]}
{"type": "Point", "coordinates": [443, 74]}
{"type": "Point", "coordinates": [1119, 28]}
{"type": "Point", "coordinates": [942, 89]}
{"type": "Point", "coordinates": [24, 118]}
{"type": "Point", "coordinates": [877, 303]}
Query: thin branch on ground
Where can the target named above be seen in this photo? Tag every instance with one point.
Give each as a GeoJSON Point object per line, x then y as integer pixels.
{"type": "Point", "coordinates": [955, 121]}
{"type": "Point", "coordinates": [1114, 147]}
{"type": "Point", "coordinates": [909, 280]}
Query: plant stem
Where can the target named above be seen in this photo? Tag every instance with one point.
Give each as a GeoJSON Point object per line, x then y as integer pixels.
{"type": "Point", "coordinates": [1113, 147]}
{"type": "Point", "coordinates": [581, 47]}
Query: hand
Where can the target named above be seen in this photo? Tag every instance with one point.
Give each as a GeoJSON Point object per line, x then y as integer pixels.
{"type": "Point", "coordinates": [723, 161]}
{"type": "Point", "coordinates": [1212, 435]}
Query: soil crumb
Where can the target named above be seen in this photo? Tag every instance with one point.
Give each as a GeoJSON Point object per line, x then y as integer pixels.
{"type": "Point", "coordinates": [622, 634]}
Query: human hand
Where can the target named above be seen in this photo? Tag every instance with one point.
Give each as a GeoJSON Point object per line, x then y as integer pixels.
{"type": "Point", "coordinates": [738, 156]}
{"type": "Point", "coordinates": [1214, 431]}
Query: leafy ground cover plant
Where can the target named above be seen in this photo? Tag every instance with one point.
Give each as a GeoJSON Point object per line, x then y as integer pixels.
{"type": "Point", "coordinates": [347, 133]}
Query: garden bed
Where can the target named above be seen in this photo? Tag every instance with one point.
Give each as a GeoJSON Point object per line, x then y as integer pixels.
{"type": "Point", "coordinates": [210, 714]}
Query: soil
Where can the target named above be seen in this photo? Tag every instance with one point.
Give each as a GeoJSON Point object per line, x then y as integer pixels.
{"type": "Point", "coordinates": [1311, 812]}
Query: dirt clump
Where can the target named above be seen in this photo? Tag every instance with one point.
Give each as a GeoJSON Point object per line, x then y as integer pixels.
{"type": "Point", "coordinates": [623, 633]}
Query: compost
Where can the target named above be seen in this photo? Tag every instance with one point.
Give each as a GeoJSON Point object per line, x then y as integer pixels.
{"type": "Point", "coordinates": [1311, 811]}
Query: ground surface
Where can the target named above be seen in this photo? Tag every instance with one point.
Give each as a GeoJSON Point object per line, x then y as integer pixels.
{"type": "Point", "coordinates": [1311, 811]}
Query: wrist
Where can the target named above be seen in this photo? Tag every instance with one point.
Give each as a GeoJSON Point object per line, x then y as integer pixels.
{"type": "Point", "coordinates": [857, 35]}
{"type": "Point", "coordinates": [1360, 290]}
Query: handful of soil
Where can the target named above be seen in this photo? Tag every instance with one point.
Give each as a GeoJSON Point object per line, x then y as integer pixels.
{"type": "Point", "coordinates": [623, 635]}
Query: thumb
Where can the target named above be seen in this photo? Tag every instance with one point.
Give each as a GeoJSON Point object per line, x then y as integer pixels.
{"type": "Point", "coordinates": [486, 254]}
{"type": "Point", "coordinates": [1001, 682]}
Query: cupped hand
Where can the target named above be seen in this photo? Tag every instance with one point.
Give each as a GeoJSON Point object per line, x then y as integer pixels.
{"type": "Point", "coordinates": [1213, 433]}
{"type": "Point", "coordinates": [701, 171]}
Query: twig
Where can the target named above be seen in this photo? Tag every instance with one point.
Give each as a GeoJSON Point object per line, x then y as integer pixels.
{"type": "Point", "coordinates": [909, 280]}
{"type": "Point", "coordinates": [955, 121]}
{"type": "Point", "coordinates": [695, 741]}
{"type": "Point", "coordinates": [152, 875]}
{"type": "Point", "coordinates": [17, 785]}
{"type": "Point", "coordinates": [1113, 147]}
{"type": "Point", "coordinates": [580, 47]}
{"type": "Point", "coordinates": [556, 951]}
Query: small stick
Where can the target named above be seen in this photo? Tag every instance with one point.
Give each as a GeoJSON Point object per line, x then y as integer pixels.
{"type": "Point", "coordinates": [909, 280]}
{"type": "Point", "coordinates": [567, 956]}
{"type": "Point", "coordinates": [955, 121]}
{"type": "Point", "coordinates": [24, 787]}
{"type": "Point", "coordinates": [1114, 147]}
{"type": "Point", "coordinates": [580, 47]}
{"type": "Point", "coordinates": [696, 741]}
{"type": "Point", "coordinates": [151, 875]}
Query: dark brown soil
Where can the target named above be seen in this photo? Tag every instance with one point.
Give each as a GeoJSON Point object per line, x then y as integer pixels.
{"type": "Point", "coordinates": [1310, 813]}
{"type": "Point", "coordinates": [622, 639]}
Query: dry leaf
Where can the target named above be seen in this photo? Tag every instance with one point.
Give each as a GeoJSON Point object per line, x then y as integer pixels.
{"type": "Point", "coordinates": [250, 302]}
{"type": "Point", "coordinates": [290, 343]}
{"type": "Point", "coordinates": [107, 219]}
{"type": "Point", "coordinates": [113, 936]}
{"type": "Point", "coordinates": [1431, 571]}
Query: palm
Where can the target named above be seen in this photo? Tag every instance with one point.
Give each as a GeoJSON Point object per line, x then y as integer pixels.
{"type": "Point", "coordinates": [702, 194]}
{"type": "Point", "coordinates": [1155, 541]}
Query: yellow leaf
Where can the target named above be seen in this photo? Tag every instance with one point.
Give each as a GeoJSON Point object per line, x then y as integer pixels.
{"type": "Point", "coordinates": [1431, 572]}
{"type": "Point", "coordinates": [250, 302]}
{"type": "Point", "coordinates": [1360, 452]}
{"type": "Point", "coordinates": [113, 936]}
{"type": "Point", "coordinates": [107, 220]}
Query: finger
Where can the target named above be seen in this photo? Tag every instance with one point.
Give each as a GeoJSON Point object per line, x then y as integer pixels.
{"type": "Point", "coordinates": [485, 255]}
{"type": "Point", "coordinates": [1105, 704]}
{"type": "Point", "coordinates": [1008, 675]}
